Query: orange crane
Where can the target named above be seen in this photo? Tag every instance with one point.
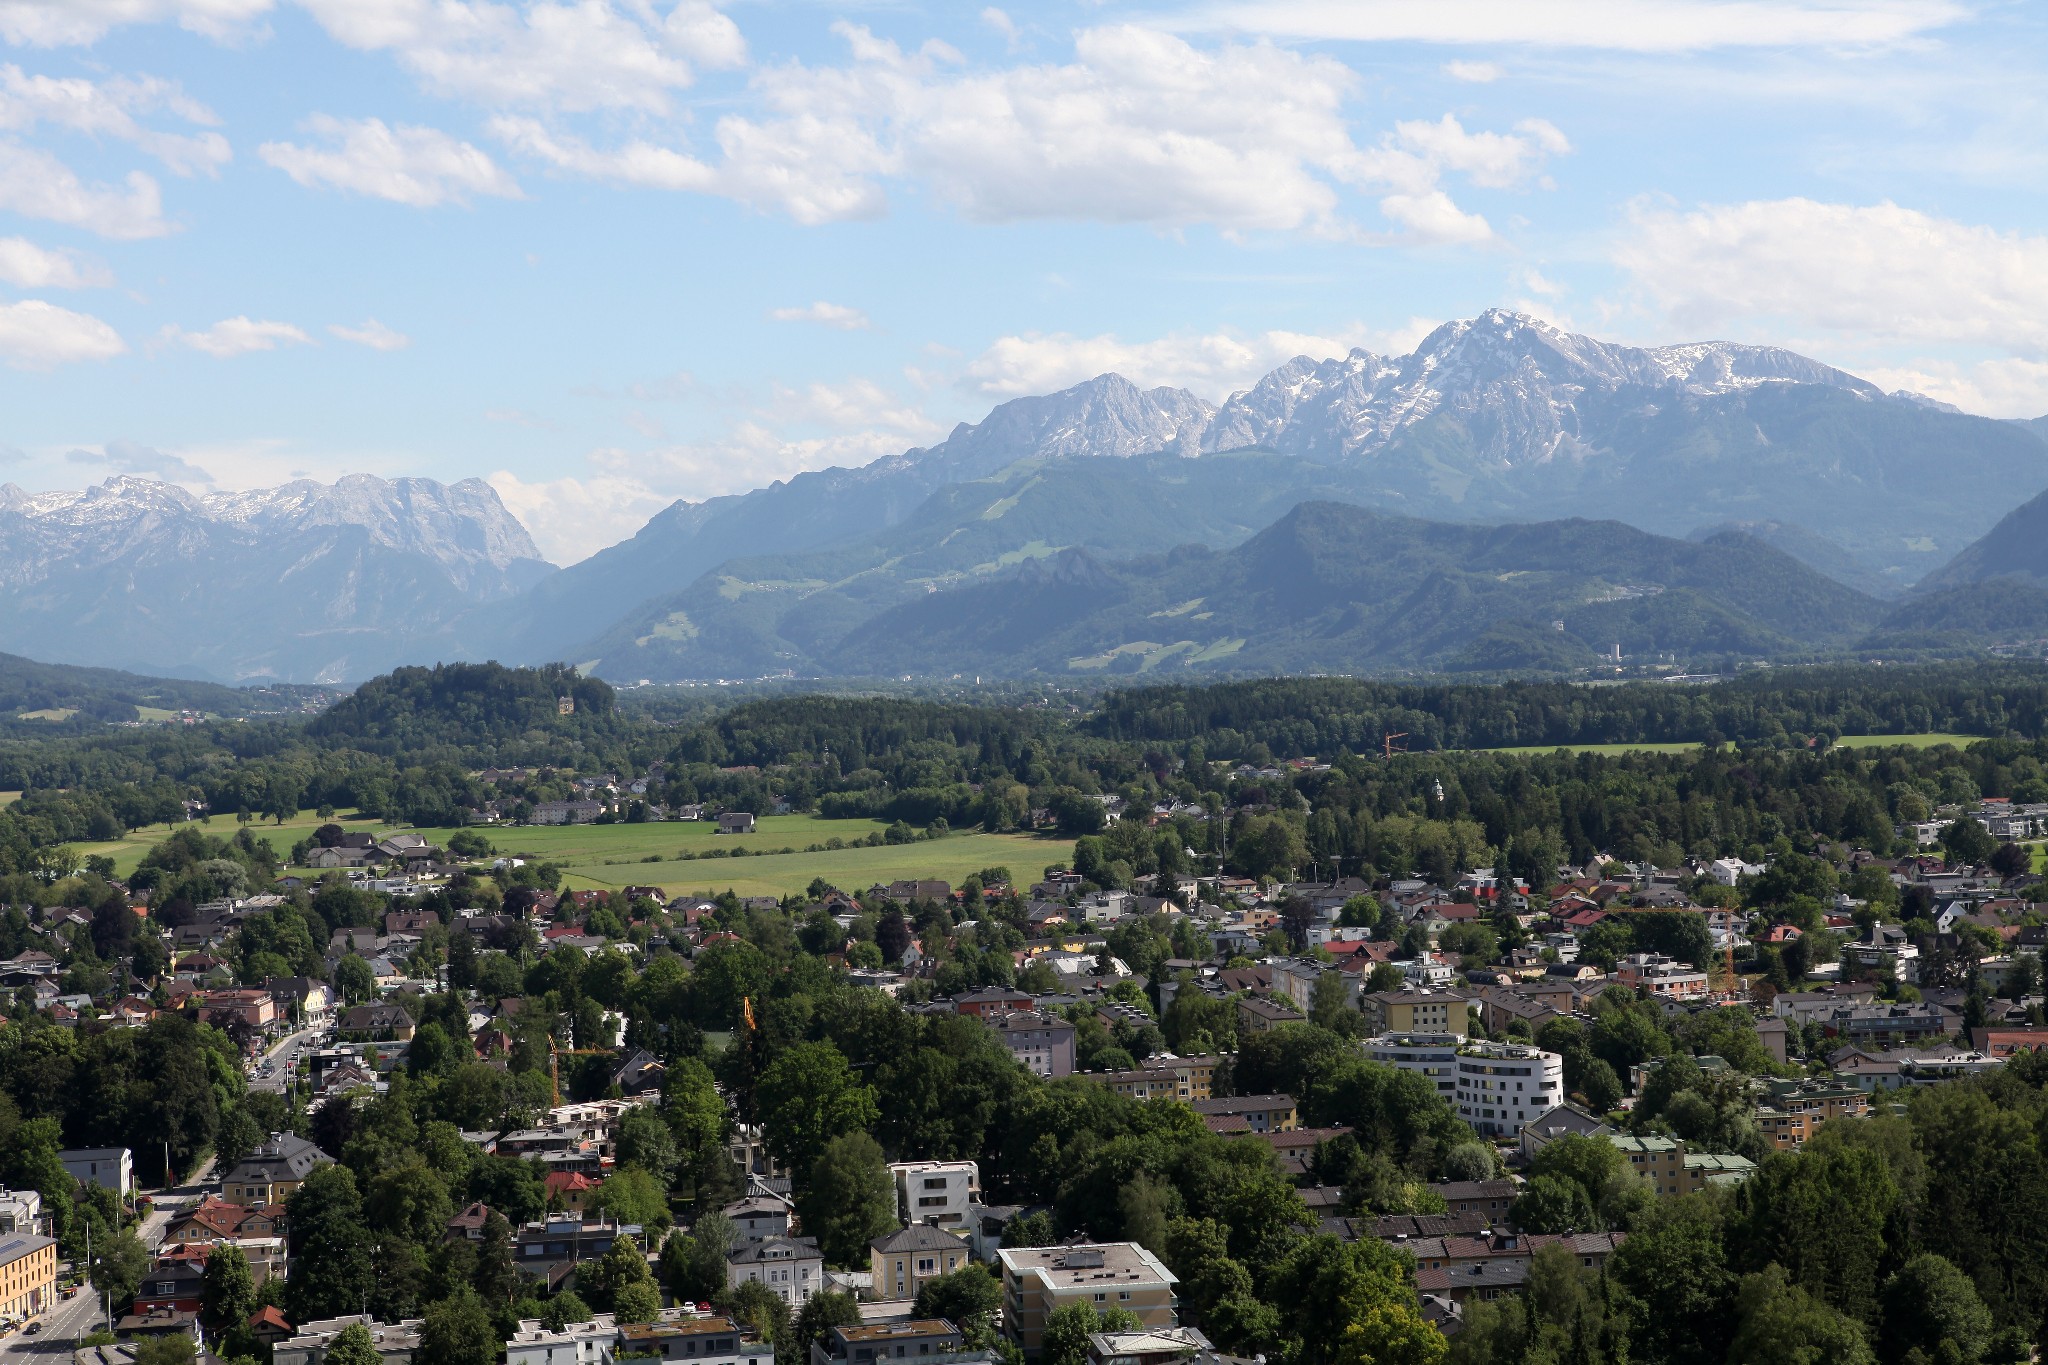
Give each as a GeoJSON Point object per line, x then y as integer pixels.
{"type": "Point", "coordinates": [1387, 742]}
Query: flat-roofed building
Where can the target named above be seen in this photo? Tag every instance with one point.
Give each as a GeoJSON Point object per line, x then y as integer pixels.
{"type": "Point", "coordinates": [939, 1192]}
{"type": "Point", "coordinates": [1416, 1011]}
{"type": "Point", "coordinates": [1502, 1086]}
{"type": "Point", "coordinates": [709, 1340]}
{"type": "Point", "coordinates": [28, 1275]}
{"type": "Point", "coordinates": [927, 1341]}
{"type": "Point", "coordinates": [1433, 1056]}
{"type": "Point", "coordinates": [1163, 1076]}
{"type": "Point", "coordinates": [578, 1343]}
{"type": "Point", "coordinates": [395, 1341]}
{"type": "Point", "coordinates": [1037, 1281]}
{"type": "Point", "coordinates": [112, 1168]}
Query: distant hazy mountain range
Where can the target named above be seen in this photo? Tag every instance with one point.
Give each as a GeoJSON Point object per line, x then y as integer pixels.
{"type": "Point", "coordinates": [1814, 503]}
{"type": "Point", "coordinates": [307, 582]}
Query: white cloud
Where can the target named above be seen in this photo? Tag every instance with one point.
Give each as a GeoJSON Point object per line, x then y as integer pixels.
{"type": "Point", "coordinates": [37, 185]}
{"type": "Point", "coordinates": [28, 266]}
{"type": "Point", "coordinates": [590, 54]}
{"type": "Point", "coordinates": [1002, 23]}
{"type": "Point", "coordinates": [1210, 364]}
{"type": "Point", "coordinates": [1872, 273]}
{"type": "Point", "coordinates": [132, 457]}
{"type": "Point", "coordinates": [1140, 127]}
{"type": "Point", "coordinates": [1613, 25]}
{"type": "Point", "coordinates": [58, 23]}
{"type": "Point", "coordinates": [36, 336]}
{"type": "Point", "coordinates": [571, 518]}
{"type": "Point", "coordinates": [406, 164]}
{"type": "Point", "coordinates": [372, 334]}
{"type": "Point", "coordinates": [107, 109]}
{"type": "Point", "coordinates": [238, 336]}
{"type": "Point", "coordinates": [1994, 388]}
{"type": "Point", "coordinates": [1475, 73]}
{"type": "Point", "coordinates": [825, 314]}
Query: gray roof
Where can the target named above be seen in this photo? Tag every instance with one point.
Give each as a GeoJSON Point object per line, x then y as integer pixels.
{"type": "Point", "coordinates": [918, 1237]}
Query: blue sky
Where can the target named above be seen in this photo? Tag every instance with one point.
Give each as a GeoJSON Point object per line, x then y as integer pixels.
{"type": "Point", "coordinates": [608, 253]}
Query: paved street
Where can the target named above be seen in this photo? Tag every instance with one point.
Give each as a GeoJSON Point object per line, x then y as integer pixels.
{"type": "Point", "coordinates": [275, 1067]}
{"type": "Point", "coordinates": [62, 1325]}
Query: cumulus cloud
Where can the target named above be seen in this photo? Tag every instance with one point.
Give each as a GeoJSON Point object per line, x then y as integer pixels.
{"type": "Point", "coordinates": [1210, 364]}
{"type": "Point", "coordinates": [1879, 272]}
{"type": "Point", "coordinates": [404, 163]}
{"type": "Point", "coordinates": [28, 266]}
{"type": "Point", "coordinates": [35, 335]}
{"type": "Point", "coordinates": [108, 109]}
{"type": "Point", "coordinates": [572, 518]}
{"type": "Point", "coordinates": [131, 457]}
{"type": "Point", "coordinates": [372, 334]}
{"type": "Point", "coordinates": [36, 184]}
{"type": "Point", "coordinates": [1612, 25]}
{"type": "Point", "coordinates": [59, 23]}
{"type": "Point", "coordinates": [592, 54]}
{"type": "Point", "coordinates": [1141, 127]}
{"type": "Point", "coordinates": [835, 315]}
{"type": "Point", "coordinates": [1002, 23]}
{"type": "Point", "coordinates": [235, 336]}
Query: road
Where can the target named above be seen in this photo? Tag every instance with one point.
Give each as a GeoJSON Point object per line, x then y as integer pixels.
{"type": "Point", "coordinates": [276, 1066]}
{"type": "Point", "coordinates": [62, 1325]}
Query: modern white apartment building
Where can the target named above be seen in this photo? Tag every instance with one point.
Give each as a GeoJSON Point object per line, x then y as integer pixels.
{"type": "Point", "coordinates": [1433, 1056]}
{"type": "Point", "coordinates": [936, 1192]}
{"type": "Point", "coordinates": [1502, 1086]}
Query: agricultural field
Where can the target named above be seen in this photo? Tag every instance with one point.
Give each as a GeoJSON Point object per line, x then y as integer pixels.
{"type": "Point", "coordinates": [605, 856]}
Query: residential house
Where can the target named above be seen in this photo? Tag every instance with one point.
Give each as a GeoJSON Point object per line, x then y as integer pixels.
{"type": "Point", "coordinates": [1255, 1014]}
{"type": "Point", "coordinates": [552, 1247]}
{"type": "Point", "coordinates": [1658, 975]}
{"type": "Point", "coordinates": [906, 1260]}
{"type": "Point", "coordinates": [1789, 1112]}
{"type": "Point", "coordinates": [20, 1210]}
{"type": "Point", "coordinates": [578, 1343]}
{"type": "Point", "coordinates": [936, 1192]}
{"type": "Point", "coordinates": [378, 1022]}
{"type": "Point", "coordinates": [1249, 1113]}
{"type": "Point", "coordinates": [1416, 1011]}
{"type": "Point", "coordinates": [1038, 1281]}
{"type": "Point", "coordinates": [1669, 1170]}
{"type": "Point", "coordinates": [1163, 1075]}
{"type": "Point", "coordinates": [171, 1286]}
{"type": "Point", "coordinates": [395, 1341]}
{"type": "Point", "coordinates": [1043, 1042]}
{"type": "Point", "coordinates": [111, 1168]}
{"type": "Point", "coordinates": [735, 822]}
{"type": "Point", "coordinates": [1502, 1086]}
{"type": "Point", "coordinates": [926, 1341]}
{"type": "Point", "coordinates": [1566, 1120]}
{"type": "Point", "coordinates": [761, 1214]}
{"type": "Point", "coordinates": [708, 1340]}
{"type": "Point", "coordinates": [792, 1267]}
{"type": "Point", "coordinates": [269, 1174]}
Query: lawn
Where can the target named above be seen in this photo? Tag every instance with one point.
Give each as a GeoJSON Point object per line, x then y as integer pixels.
{"type": "Point", "coordinates": [1926, 741]}
{"type": "Point", "coordinates": [951, 859]}
{"type": "Point", "coordinates": [604, 856]}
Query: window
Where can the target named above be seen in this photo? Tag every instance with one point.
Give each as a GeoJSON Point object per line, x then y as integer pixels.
{"type": "Point", "coordinates": [1102, 1298]}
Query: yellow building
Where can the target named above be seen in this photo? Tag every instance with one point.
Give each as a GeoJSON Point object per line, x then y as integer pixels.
{"type": "Point", "coordinates": [1163, 1076]}
{"type": "Point", "coordinates": [906, 1260]}
{"type": "Point", "coordinates": [1413, 1011]}
{"type": "Point", "coordinates": [1039, 1280]}
{"type": "Point", "coordinates": [28, 1276]}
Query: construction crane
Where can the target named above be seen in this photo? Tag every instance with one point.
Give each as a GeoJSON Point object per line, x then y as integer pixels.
{"type": "Point", "coordinates": [1387, 747]}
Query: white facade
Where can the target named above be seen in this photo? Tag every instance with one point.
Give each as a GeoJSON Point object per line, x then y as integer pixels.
{"type": "Point", "coordinates": [1502, 1086]}
{"type": "Point", "coordinates": [936, 1192]}
{"type": "Point", "coordinates": [112, 1167]}
{"type": "Point", "coordinates": [579, 1343]}
{"type": "Point", "coordinates": [1433, 1056]}
{"type": "Point", "coordinates": [21, 1211]}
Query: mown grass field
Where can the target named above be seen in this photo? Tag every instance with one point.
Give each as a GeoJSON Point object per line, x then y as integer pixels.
{"type": "Point", "coordinates": [1924, 741]}
{"type": "Point", "coordinates": [606, 856]}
